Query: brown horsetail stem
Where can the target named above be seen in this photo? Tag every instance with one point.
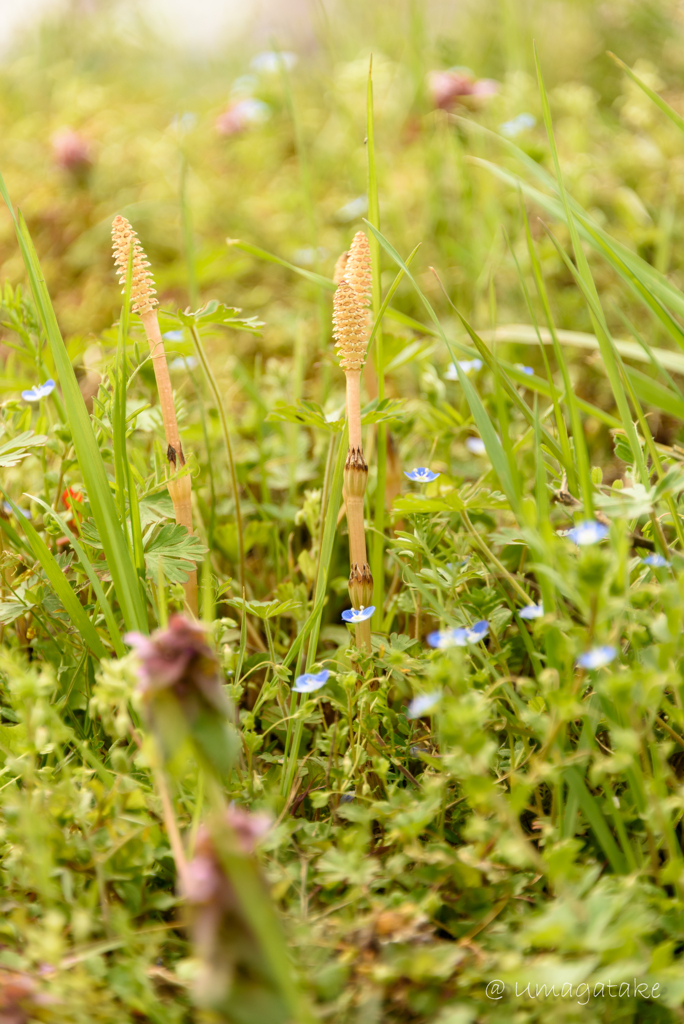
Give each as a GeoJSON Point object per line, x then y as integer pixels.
{"type": "Point", "coordinates": [351, 329]}
{"type": "Point", "coordinates": [144, 302]}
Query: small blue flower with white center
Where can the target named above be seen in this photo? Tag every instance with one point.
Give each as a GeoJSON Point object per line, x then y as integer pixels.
{"type": "Point", "coordinates": [468, 366]}
{"type": "Point", "coordinates": [478, 631]}
{"type": "Point", "coordinates": [8, 510]}
{"type": "Point", "coordinates": [40, 391]}
{"type": "Point", "coordinates": [309, 682]}
{"type": "Point", "coordinates": [656, 562]}
{"type": "Point", "coordinates": [183, 363]}
{"type": "Point", "coordinates": [527, 370]}
{"type": "Point", "coordinates": [588, 532]}
{"type": "Point", "coordinates": [442, 639]}
{"type": "Point", "coordinates": [597, 657]}
{"type": "Point", "coordinates": [270, 62]}
{"type": "Point", "coordinates": [358, 614]}
{"type": "Point", "coordinates": [475, 445]}
{"type": "Point", "coordinates": [423, 704]}
{"type": "Point", "coordinates": [531, 611]}
{"type": "Point", "coordinates": [422, 475]}
{"type": "Point", "coordinates": [173, 336]}
{"type": "Point", "coordinates": [517, 125]}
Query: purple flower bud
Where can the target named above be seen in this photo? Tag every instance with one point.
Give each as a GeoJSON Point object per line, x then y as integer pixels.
{"type": "Point", "coordinates": [71, 151]}
{"type": "Point", "coordinates": [179, 658]}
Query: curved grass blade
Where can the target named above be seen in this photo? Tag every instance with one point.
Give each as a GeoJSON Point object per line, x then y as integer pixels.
{"type": "Point", "coordinates": [110, 618]}
{"type": "Point", "coordinates": [60, 584]}
{"type": "Point", "coordinates": [84, 440]}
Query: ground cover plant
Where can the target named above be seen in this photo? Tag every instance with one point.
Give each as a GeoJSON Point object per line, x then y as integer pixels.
{"type": "Point", "coordinates": [342, 540]}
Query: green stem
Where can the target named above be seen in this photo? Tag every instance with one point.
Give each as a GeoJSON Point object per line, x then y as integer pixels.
{"type": "Point", "coordinates": [211, 380]}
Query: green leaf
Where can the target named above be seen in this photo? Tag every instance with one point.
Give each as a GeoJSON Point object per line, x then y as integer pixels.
{"type": "Point", "coordinates": [594, 815]}
{"type": "Point", "coordinates": [214, 312]}
{"type": "Point", "coordinates": [304, 413]}
{"type": "Point", "coordinates": [265, 609]}
{"type": "Point", "coordinates": [658, 100]}
{"type": "Point", "coordinates": [114, 632]}
{"type": "Point", "coordinates": [11, 610]}
{"type": "Point", "coordinates": [12, 452]}
{"type": "Point", "coordinates": [60, 584]}
{"type": "Point", "coordinates": [181, 552]}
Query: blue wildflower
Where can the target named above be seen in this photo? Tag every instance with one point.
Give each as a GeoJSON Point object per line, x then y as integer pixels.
{"type": "Point", "coordinates": [270, 62]}
{"type": "Point", "coordinates": [517, 125]}
{"type": "Point", "coordinates": [597, 657]}
{"type": "Point", "coordinates": [445, 638]}
{"type": "Point", "coordinates": [8, 510]}
{"type": "Point", "coordinates": [527, 370]}
{"type": "Point", "coordinates": [656, 562]}
{"type": "Point", "coordinates": [183, 362]}
{"type": "Point", "coordinates": [475, 445]}
{"type": "Point", "coordinates": [40, 391]}
{"type": "Point", "coordinates": [531, 611]}
{"type": "Point", "coordinates": [468, 366]}
{"type": "Point", "coordinates": [588, 532]}
{"type": "Point", "coordinates": [353, 209]}
{"type": "Point", "coordinates": [478, 631]}
{"type": "Point", "coordinates": [422, 475]}
{"type": "Point", "coordinates": [358, 614]}
{"type": "Point", "coordinates": [309, 682]}
{"type": "Point", "coordinates": [423, 704]}
{"type": "Point", "coordinates": [173, 336]}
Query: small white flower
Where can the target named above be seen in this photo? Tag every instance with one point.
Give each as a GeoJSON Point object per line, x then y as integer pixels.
{"type": "Point", "coordinates": [475, 445]}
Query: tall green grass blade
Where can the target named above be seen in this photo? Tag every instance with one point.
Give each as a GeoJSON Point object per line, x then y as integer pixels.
{"type": "Point", "coordinates": [582, 469]}
{"type": "Point", "coordinates": [495, 451]}
{"type": "Point", "coordinates": [481, 348]}
{"type": "Point", "coordinates": [290, 764]}
{"type": "Point", "coordinates": [594, 815]}
{"type": "Point", "coordinates": [378, 540]}
{"type": "Point", "coordinates": [560, 422]}
{"type": "Point", "coordinates": [84, 440]}
{"type": "Point", "coordinates": [60, 584]}
{"type": "Point", "coordinates": [609, 361]}
{"type": "Point", "coordinates": [188, 237]}
{"type": "Point", "coordinates": [652, 95]}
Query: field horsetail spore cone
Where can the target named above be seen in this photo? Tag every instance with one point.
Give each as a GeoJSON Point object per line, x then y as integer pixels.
{"type": "Point", "coordinates": [144, 302]}
{"type": "Point", "coordinates": [351, 329]}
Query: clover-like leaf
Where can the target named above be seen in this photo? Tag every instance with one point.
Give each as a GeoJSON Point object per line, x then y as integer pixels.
{"type": "Point", "coordinates": [214, 312]}
{"type": "Point", "coordinates": [179, 550]}
{"type": "Point", "coordinates": [265, 609]}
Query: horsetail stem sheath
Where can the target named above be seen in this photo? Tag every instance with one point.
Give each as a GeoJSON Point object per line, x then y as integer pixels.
{"type": "Point", "coordinates": [144, 302]}
{"type": "Point", "coordinates": [351, 329]}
